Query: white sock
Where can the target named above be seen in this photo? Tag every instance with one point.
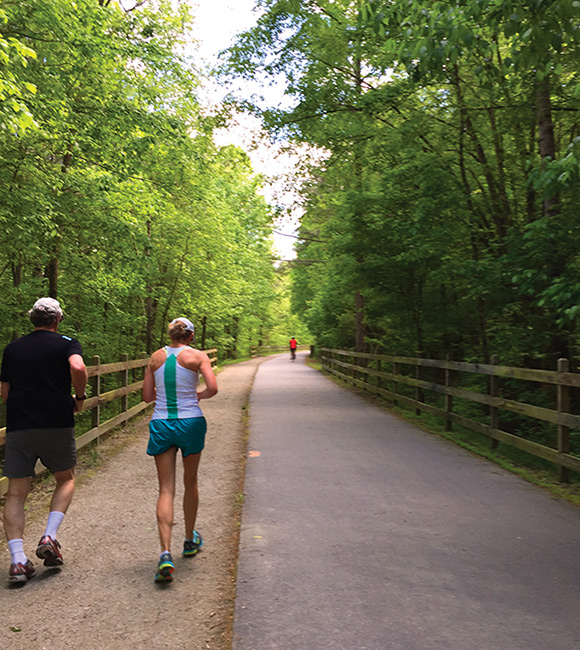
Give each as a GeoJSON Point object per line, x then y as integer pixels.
{"type": "Point", "coordinates": [54, 521]}
{"type": "Point", "coordinates": [17, 551]}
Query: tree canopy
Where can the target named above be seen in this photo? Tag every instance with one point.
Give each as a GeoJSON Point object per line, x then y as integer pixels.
{"type": "Point", "coordinates": [444, 217]}
{"type": "Point", "coordinates": [114, 197]}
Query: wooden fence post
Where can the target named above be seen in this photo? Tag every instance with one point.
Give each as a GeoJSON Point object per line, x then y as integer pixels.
{"type": "Point", "coordinates": [563, 407]}
{"type": "Point", "coordinates": [493, 410]}
{"type": "Point", "coordinates": [125, 379]}
{"type": "Point", "coordinates": [379, 370]}
{"type": "Point", "coordinates": [418, 392]}
{"type": "Point", "coordinates": [96, 391]}
{"type": "Point", "coordinates": [448, 398]}
{"type": "Point", "coordinates": [395, 384]}
{"type": "Point", "coordinates": [363, 363]}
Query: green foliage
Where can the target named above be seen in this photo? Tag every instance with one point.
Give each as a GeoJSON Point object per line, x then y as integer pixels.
{"type": "Point", "coordinates": [446, 202]}
{"type": "Point", "coordinates": [118, 202]}
{"type": "Point", "coordinates": [14, 89]}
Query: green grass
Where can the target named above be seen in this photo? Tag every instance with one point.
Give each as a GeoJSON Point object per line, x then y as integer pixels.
{"type": "Point", "coordinates": [313, 363]}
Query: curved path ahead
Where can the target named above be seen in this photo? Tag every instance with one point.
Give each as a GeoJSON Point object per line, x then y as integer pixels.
{"type": "Point", "coordinates": [362, 532]}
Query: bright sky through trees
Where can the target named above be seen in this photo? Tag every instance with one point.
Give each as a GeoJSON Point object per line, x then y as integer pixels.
{"type": "Point", "coordinates": [217, 22]}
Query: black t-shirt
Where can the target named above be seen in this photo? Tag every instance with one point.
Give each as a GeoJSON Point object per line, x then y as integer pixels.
{"type": "Point", "coordinates": [36, 367]}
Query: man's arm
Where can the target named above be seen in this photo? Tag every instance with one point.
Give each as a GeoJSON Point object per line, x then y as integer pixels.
{"type": "Point", "coordinates": [4, 373]}
{"type": "Point", "coordinates": [78, 373]}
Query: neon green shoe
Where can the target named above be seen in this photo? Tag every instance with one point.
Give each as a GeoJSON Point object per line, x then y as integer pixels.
{"type": "Point", "coordinates": [192, 546]}
{"type": "Point", "coordinates": [165, 568]}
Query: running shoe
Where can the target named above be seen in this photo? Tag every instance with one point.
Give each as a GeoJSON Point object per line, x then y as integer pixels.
{"type": "Point", "coordinates": [48, 550]}
{"type": "Point", "coordinates": [165, 568]}
{"type": "Point", "coordinates": [21, 572]}
{"type": "Point", "coordinates": [192, 546]}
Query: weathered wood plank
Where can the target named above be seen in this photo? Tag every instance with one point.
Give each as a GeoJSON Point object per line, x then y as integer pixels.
{"type": "Point", "coordinates": [107, 426]}
{"type": "Point", "coordinates": [521, 408]}
{"type": "Point", "coordinates": [111, 395]}
{"type": "Point", "coordinates": [108, 368]}
{"type": "Point", "coordinates": [527, 374]}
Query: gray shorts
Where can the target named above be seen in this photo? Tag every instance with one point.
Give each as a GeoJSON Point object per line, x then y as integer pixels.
{"type": "Point", "coordinates": [55, 448]}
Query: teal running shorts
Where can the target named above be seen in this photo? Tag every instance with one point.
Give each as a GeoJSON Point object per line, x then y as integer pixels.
{"type": "Point", "coordinates": [187, 434]}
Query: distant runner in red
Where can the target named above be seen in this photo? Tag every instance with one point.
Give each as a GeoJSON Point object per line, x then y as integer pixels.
{"type": "Point", "coordinates": [293, 345]}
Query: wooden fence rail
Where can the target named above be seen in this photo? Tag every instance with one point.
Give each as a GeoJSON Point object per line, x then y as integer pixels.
{"type": "Point", "coordinates": [97, 399]}
{"type": "Point", "coordinates": [350, 366]}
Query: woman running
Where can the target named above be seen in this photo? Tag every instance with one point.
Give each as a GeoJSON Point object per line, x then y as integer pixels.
{"type": "Point", "coordinates": [177, 423]}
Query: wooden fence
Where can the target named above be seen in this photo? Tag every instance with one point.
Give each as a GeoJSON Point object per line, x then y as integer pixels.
{"type": "Point", "coordinates": [98, 399]}
{"type": "Point", "coordinates": [358, 368]}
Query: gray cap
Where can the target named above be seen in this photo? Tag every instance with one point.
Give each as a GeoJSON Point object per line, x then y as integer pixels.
{"type": "Point", "coordinates": [48, 306]}
{"type": "Point", "coordinates": [188, 324]}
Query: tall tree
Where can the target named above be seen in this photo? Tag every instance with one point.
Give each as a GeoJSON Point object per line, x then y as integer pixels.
{"type": "Point", "coordinates": [119, 203]}
{"type": "Point", "coordinates": [443, 198]}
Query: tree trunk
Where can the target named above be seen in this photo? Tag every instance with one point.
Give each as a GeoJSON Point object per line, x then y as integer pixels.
{"type": "Point", "coordinates": [150, 303]}
{"type": "Point", "coordinates": [547, 141]}
{"type": "Point", "coordinates": [52, 274]}
{"type": "Point", "coordinates": [16, 282]}
{"type": "Point", "coordinates": [499, 215]}
{"type": "Point", "coordinates": [203, 332]}
{"type": "Point", "coordinates": [235, 332]}
{"type": "Point", "coordinates": [560, 341]}
{"type": "Point", "coordinates": [360, 334]}
{"type": "Point", "coordinates": [360, 330]}
{"type": "Point", "coordinates": [17, 273]}
{"type": "Point", "coordinates": [151, 312]}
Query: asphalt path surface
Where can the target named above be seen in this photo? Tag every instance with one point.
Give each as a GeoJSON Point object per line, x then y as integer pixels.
{"type": "Point", "coordinates": [362, 532]}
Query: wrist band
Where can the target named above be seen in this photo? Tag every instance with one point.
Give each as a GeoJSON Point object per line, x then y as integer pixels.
{"type": "Point", "coordinates": [80, 399]}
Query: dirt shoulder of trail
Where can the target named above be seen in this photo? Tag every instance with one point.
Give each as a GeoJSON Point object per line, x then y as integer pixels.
{"type": "Point", "coordinates": [104, 595]}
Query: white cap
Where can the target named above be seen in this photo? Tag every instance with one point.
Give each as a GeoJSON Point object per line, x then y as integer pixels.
{"type": "Point", "coordinates": [48, 306]}
{"type": "Point", "coordinates": [188, 324]}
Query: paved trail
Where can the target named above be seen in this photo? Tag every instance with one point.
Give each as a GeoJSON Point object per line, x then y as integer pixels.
{"type": "Point", "coordinates": [361, 532]}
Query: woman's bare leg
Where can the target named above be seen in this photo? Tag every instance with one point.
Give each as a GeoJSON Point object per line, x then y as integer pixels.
{"type": "Point", "coordinates": [191, 492]}
{"type": "Point", "coordinates": [165, 463]}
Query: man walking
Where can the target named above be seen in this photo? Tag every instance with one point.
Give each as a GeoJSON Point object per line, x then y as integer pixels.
{"type": "Point", "coordinates": [35, 382]}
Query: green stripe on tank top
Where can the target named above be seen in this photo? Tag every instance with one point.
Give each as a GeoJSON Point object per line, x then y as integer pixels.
{"type": "Point", "coordinates": [170, 379]}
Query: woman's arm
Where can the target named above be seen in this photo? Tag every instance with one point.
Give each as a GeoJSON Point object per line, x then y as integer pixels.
{"type": "Point", "coordinates": [207, 373]}
{"type": "Point", "coordinates": [148, 392]}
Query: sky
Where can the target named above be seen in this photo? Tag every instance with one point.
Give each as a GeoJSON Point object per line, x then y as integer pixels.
{"type": "Point", "coordinates": [216, 24]}
{"type": "Point", "coordinates": [218, 21]}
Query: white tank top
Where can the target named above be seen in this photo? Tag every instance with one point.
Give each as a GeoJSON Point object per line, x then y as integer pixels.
{"type": "Point", "coordinates": [176, 389]}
